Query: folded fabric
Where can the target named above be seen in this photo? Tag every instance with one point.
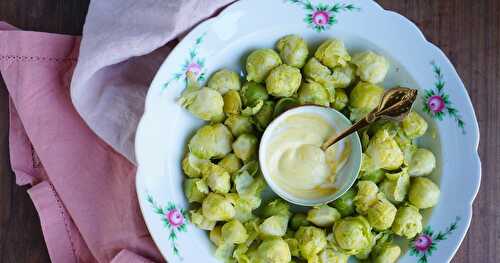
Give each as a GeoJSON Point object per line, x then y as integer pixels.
{"type": "Point", "coordinates": [83, 190]}
{"type": "Point", "coordinates": [123, 45]}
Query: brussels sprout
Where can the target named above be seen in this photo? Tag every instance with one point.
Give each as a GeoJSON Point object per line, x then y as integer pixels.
{"type": "Point", "coordinates": [368, 170]}
{"type": "Point", "coordinates": [283, 81]}
{"type": "Point", "coordinates": [216, 236]}
{"type": "Point", "coordinates": [245, 147]}
{"type": "Point", "coordinates": [317, 72]}
{"type": "Point", "coordinates": [195, 190]}
{"type": "Point", "coordinates": [353, 235]}
{"type": "Point", "coordinates": [217, 178]}
{"type": "Point", "coordinates": [384, 151]}
{"type": "Point", "coordinates": [323, 216]}
{"type": "Point", "coordinates": [299, 220]}
{"type": "Point", "coordinates": [387, 254]}
{"type": "Point", "coordinates": [285, 104]}
{"type": "Point", "coordinates": [252, 227]}
{"type": "Point", "coordinates": [191, 165]}
{"type": "Point", "coordinates": [239, 254]}
{"type": "Point", "coordinates": [395, 190]}
{"type": "Point", "coordinates": [216, 207]}
{"type": "Point", "coordinates": [365, 96]}
{"type": "Point", "coordinates": [274, 226]}
{"type": "Point", "coordinates": [381, 214]}
{"type": "Point", "coordinates": [224, 80]}
{"type": "Point", "coordinates": [313, 93]}
{"type": "Point", "coordinates": [422, 162]}
{"type": "Point", "coordinates": [200, 221]}
{"type": "Point", "coordinates": [239, 124]}
{"type": "Point", "coordinates": [224, 251]}
{"type": "Point", "coordinates": [343, 76]}
{"type": "Point", "coordinates": [414, 125]}
{"type": "Point", "coordinates": [260, 63]}
{"type": "Point", "coordinates": [274, 251]}
{"type": "Point", "coordinates": [331, 256]}
{"type": "Point", "coordinates": [408, 222]}
{"type": "Point", "coordinates": [293, 244]}
{"type": "Point", "coordinates": [204, 103]}
{"type": "Point", "coordinates": [277, 207]}
{"type": "Point", "coordinates": [366, 196]}
{"type": "Point", "coordinates": [408, 151]}
{"type": "Point", "coordinates": [252, 167]}
{"type": "Point", "coordinates": [371, 67]}
{"type": "Point", "coordinates": [345, 203]}
{"type": "Point", "coordinates": [341, 99]}
{"type": "Point", "coordinates": [311, 240]}
{"type": "Point", "coordinates": [265, 115]}
{"type": "Point", "coordinates": [252, 110]}
{"type": "Point", "coordinates": [385, 251]}
{"type": "Point", "coordinates": [253, 92]}
{"type": "Point", "coordinates": [332, 53]}
{"type": "Point", "coordinates": [423, 193]}
{"type": "Point", "coordinates": [230, 163]}
{"type": "Point", "coordinates": [232, 102]}
{"type": "Point", "coordinates": [243, 206]}
{"type": "Point", "coordinates": [211, 141]}
{"type": "Point", "coordinates": [234, 232]}
{"type": "Point", "coordinates": [293, 50]}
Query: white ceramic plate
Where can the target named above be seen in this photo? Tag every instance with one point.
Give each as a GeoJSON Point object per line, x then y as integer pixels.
{"type": "Point", "coordinates": [225, 40]}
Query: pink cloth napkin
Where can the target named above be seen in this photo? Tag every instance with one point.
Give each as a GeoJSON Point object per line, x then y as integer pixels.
{"type": "Point", "coordinates": [83, 189]}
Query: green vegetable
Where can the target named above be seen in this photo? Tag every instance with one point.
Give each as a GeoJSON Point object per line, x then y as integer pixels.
{"type": "Point", "coordinates": [396, 186]}
{"type": "Point", "coordinates": [408, 222]}
{"type": "Point", "coordinates": [274, 251]}
{"type": "Point", "coordinates": [217, 178]}
{"type": "Point", "coordinates": [293, 50]}
{"type": "Point", "coordinates": [216, 236]}
{"type": "Point", "coordinates": [260, 63]}
{"type": "Point", "coordinates": [274, 226]}
{"type": "Point", "coordinates": [332, 53]}
{"type": "Point", "coordinates": [323, 216]}
{"type": "Point", "coordinates": [353, 235]}
{"type": "Point", "coordinates": [234, 232]}
{"type": "Point", "coordinates": [341, 99]}
{"type": "Point", "coordinates": [343, 76]}
{"type": "Point", "coordinates": [232, 102]}
{"type": "Point", "coordinates": [365, 96]}
{"type": "Point", "coordinates": [230, 163]}
{"type": "Point", "coordinates": [414, 125]}
{"type": "Point", "coordinates": [299, 220]}
{"type": "Point", "coordinates": [345, 203]}
{"type": "Point", "coordinates": [283, 81]}
{"type": "Point", "coordinates": [216, 207]}
{"type": "Point", "coordinates": [211, 141]}
{"type": "Point", "coordinates": [422, 162]}
{"type": "Point", "coordinates": [204, 103]}
{"type": "Point", "coordinates": [293, 244]}
{"type": "Point", "coordinates": [224, 80]}
{"type": "Point", "coordinates": [366, 196]}
{"type": "Point", "coordinates": [201, 221]}
{"type": "Point", "coordinates": [191, 165]}
{"type": "Point", "coordinates": [371, 67]}
{"type": "Point", "coordinates": [195, 190]}
{"type": "Point", "coordinates": [381, 214]}
{"type": "Point", "coordinates": [277, 207]}
{"type": "Point", "coordinates": [265, 115]}
{"type": "Point", "coordinates": [311, 241]}
{"type": "Point", "coordinates": [239, 124]}
{"type": "Point", "coordinates": [385, 251]}
{"type": "Point", "coordinates": [315, 71]}
{"type": "Point", "coordinates": [245, 146]}
{"type": "Point", "coordinates": [313, 93]}
{"type": "Point", "coordinates": [423, 193]}
{"type": "Point", "coordinates": [384, 151]}
{"type": "Point", "coordinates": [253, 92]}
{"type": "Point", "coordinates": [330, 256]}
{"type": "Point", "coordinates": [285, 104]}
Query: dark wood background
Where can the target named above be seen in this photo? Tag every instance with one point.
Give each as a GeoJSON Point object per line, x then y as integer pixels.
{"type": "Point", "coordinates": [468, 31]}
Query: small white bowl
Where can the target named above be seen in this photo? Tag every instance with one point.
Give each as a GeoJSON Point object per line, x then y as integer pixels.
{"type": "Point", "coordinates": [345, 177]}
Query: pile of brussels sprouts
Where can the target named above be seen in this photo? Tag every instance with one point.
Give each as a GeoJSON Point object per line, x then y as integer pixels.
{"type": "Point", "coordinates": [224, 183]}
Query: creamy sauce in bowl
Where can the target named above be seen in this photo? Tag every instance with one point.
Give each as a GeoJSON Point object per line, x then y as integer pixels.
{"type": "Point", "coordinates": [295, 160]}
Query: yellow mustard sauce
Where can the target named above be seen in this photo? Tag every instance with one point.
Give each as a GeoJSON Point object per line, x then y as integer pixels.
{"type": "Point", "coordinates": [295, 160]}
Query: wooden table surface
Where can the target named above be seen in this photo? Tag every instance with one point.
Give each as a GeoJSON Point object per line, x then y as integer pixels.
{"type": "Point", "coordinates": [468, 32]}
